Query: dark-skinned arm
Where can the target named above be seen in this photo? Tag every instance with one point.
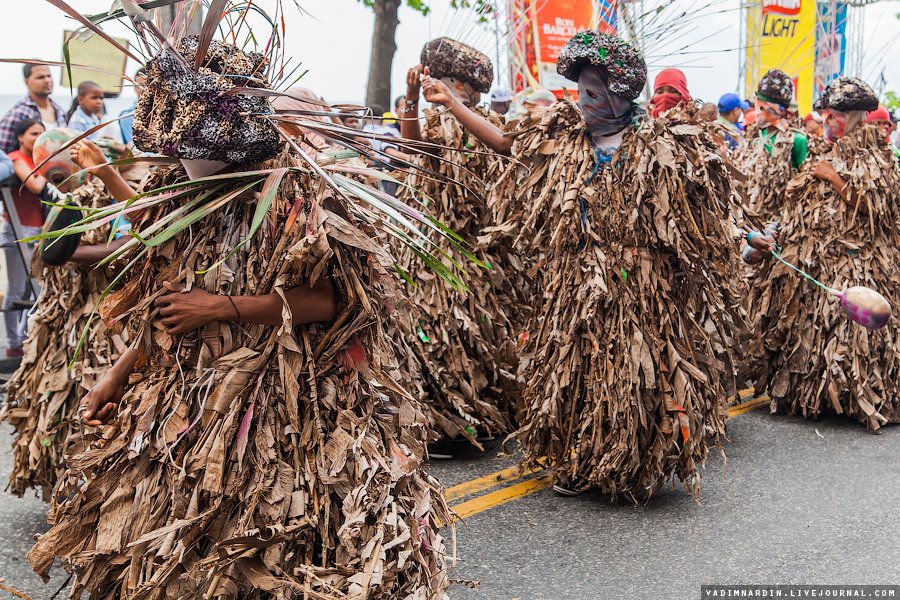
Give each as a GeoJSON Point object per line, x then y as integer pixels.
{"type": "Point", "coordinates": [99, 405]}
{"type": "Point", "coordinates": [436, 91]}
{"type": "Point", "coordinates": [87, 155]}
{"type": "Point", "coordinates": [825, 171]}
{"type": "Point", "coordinates": [183, 312]}
{"type": "Point", "coordinates": [92, 254]}
{"type": "Point", "coordinates": [409, 108]}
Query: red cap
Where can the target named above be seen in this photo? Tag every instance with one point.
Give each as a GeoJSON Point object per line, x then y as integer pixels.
{"type": "Point", "coordinates": [879, 114]}
{"type": "Point", "coordinates": [675, 79]}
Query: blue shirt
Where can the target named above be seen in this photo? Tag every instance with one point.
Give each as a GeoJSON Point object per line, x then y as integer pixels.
{"type": "Point", "coordinates": [6, 166]}
{"type": "Point", "coordinates": [81, 121]}
{"type": "Point", "coordinates": [126, 125]}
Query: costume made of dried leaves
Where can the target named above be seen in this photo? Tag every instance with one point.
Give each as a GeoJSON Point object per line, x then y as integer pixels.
{"type": "Point", "coordinates": [624, 388]}
{"type": "Point", "coordinates": [463, 353]}
{"type": "Point", "coordinates": [251, 461]}
{"type": "Point", "coordinates": [186, 115]}
{"type": "Point", "coordinates": [809, 356]}
{"type": "Point", "coordinates": [768, 173]}
{"type": "Point", "coordinates": [43, 395]}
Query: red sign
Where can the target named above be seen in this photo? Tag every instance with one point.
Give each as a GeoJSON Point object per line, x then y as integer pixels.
{"type": "Point", "coordinates": [790, 8]}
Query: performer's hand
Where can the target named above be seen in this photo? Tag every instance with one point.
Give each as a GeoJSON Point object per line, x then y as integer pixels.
{"type": "Point", "coordinates": [413, 84]}
{"type": "Point", "coordinates": [763, 243]}
{"type": "Point", "coordinates": [824, 170]}
{"type": "Point", "coordinates": [435, 90]}
{"type": "Point", "coordinates": [86, 155]}
{"type": "Point", "coordinates": [183, 312]}
{"type": "Point", "coordinates": [100, 404]}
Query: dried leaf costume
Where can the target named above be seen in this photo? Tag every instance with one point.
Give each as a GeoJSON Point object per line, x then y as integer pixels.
{"type": "Point", "coordinates": [811, 359]}
{"type": "Point", "coordinates": [43, 394]}
{"type": "Point", "coordinates": [464, 354]}
{"type": "Point", "coordinates": [250, 461]}
{"type": "Point", "coordinates": [624, 388]}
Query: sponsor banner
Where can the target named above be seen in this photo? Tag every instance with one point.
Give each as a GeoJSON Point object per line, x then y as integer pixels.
{"type": "Point", "coordinates": [831, 47]}
{"type": "Point", "coordinates": [785, 39]}
{"type": "Point", "coordinates": [542, 29]}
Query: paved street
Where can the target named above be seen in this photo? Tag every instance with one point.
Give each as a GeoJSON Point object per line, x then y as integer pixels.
{"type": "Point", "coordinates": [793, 506]}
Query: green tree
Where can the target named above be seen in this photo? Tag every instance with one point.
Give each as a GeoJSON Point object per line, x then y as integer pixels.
{"type": "Point", "coordinates": [384, 45]}
{"type": "Point", "coordinates": [891, 101]}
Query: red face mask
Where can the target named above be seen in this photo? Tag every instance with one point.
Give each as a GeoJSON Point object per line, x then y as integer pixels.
{"type": "Point", "coordinates": [663, 102]}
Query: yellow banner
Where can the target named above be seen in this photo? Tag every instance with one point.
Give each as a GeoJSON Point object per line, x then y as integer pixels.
{"type": "Point", "coordinates": [782, 35]}
{"type": "Point", "coordinates": [95, 52]}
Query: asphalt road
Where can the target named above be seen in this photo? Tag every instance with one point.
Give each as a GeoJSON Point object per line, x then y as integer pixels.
{"type": "Point", "coordinates": [793, 507]}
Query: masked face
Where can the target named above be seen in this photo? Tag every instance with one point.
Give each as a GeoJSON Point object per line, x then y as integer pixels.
{"type": "Point", "coordinates": [462, 91]}
{"type": "Point", "coordinates": [835, 124]}
{"type": "Point", "coordinates": [604, 112]}
{"type": "Point", "coordinates": [769, 114]}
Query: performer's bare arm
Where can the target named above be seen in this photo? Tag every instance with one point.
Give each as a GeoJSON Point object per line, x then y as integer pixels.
{"type": "Point", "coordinates": [409, 109]}
{"type": "Point", "coordinates": [435, 91]}
{"type": "Point", "coordinates": [91, 255]}
{"type": "Point", "coordinates": [825, 171]}
{"type": "Point", "coordinates": [88, 156]}
{"type": "Point", "coordinates": [182, 312]}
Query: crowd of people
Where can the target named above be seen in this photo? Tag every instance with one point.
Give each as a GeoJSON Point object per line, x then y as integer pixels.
{"type": "Point", "coordinates": [257, 422]}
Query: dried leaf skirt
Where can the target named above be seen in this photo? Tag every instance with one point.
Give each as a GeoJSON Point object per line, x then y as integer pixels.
{"type": "Point", "coordinates": [248, 461]}
{"type": "Point", "coordinates": [43, 395]}
{"type": "Point", "coordinates": [460, 349]}
{"type": "Point", "coordinates": [625, 387]}
{"type": "Point", "coordinates": [810, 357]}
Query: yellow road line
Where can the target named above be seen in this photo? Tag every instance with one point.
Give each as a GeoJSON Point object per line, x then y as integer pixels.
{"type": "Point", "coordinates": [748, 406]}
{"type": "Point", "coordinates": [523, 488]}
{"type": "Point", "coordinates": [485, 483]}
{"type": "Point", "coordinates": [482, 503]}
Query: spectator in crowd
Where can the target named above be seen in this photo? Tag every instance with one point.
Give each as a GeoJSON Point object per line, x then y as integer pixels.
{"type": "Point", "coordinates": [390, 122]}
{"type": "Point", "coordinates": [392, 151]}
{"type": "Point", "coordinates": [812, 124]}
{"type": "Point", "coordinates": [731, 109]}
{"type": "Point", "coordinates": [6, 166]}
{"type": "Point", "coordinates": [669, 91]}
{"type": "Point", "coordinates": [31, 215]}
{"type": "Point", "coordinates": [87, 109]}
{"type": "Point", "coordinates": [541, 97]}
{"type": "Point", "coordinates": [882, 119]}
{"type": "Point", "coordinates": [36, 105]}
{"type": "Point", "coordinates": [351, 121]}
{"type": "Point", "coordinates": [126, 124]}
{"type": "Point", "coordinates": [501, 101]}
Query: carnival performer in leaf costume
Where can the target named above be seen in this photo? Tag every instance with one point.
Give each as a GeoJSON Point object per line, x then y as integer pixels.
{"type": "Point", "coordinates": [773, 157]}
{"type": "Point", "coordinates": [628, 220]}
{"type": "Point", "coordinates": [463, 349]}
{"type": "Point", "coordinates": [840, 225]}
{"type": "Point", "coordinates": [249, 443]}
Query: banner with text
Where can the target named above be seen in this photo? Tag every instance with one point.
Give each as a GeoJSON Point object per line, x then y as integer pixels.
{"type": "Point", "coordinates": [542, 28]}
{"type": "Point", "coordinates": [785, 39]}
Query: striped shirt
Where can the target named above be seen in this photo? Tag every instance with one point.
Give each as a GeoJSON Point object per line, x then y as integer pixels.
{"type": "Point", "coordinates": [25, 109]}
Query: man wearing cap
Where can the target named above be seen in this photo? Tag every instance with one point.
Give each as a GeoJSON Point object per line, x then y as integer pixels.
{"type": "Point", "coordinates": [501, 101]}
{"type": "Point", "coordinates": [731, 107]}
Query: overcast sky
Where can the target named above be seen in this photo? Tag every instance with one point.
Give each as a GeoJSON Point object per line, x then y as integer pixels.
{"type": "Point", "coordinates": [333, 42]}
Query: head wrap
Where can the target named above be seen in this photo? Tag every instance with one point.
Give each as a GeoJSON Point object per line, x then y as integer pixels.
{"type": "Point", "coordinates": [604, 112]}
{"type": "Point", "coordinates": [776, 87]}
{"type": "Point", "coordinates": [542, 97]}
{"type": "Point", "coordinates": [618, 61]}
{"type": "Point", "coordinates": [183, 113]}
{"type": "Point", "coordinates": [667, 100]}
{"type": "Point", "coordinates": [879, 114]}
{"type": "Point", "coordinates": [448, 58]}
{"type": "Point", "coordinates": [847, 94]}
{"type": "Point", "coordinates": [314, 142]}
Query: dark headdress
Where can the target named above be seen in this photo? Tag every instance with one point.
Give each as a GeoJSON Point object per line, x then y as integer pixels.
{"type": "Point", "coordinates": [775, 86]}
{"type": "Point", "coordinates": [448, 58]}
{"type": "Point", "coordinates": [625, 68]}
{"type": "Point", "coordinates": [846, 94]}
{"type": "Point", "coordinates": [182, 112]}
